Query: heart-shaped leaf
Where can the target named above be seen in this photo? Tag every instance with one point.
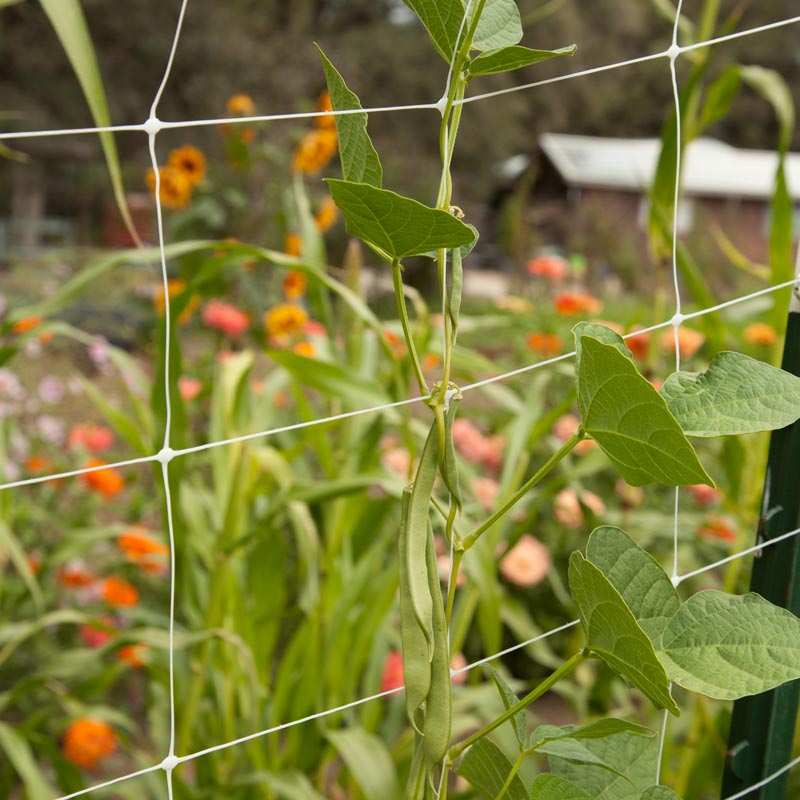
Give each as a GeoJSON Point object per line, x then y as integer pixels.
{"type": "Point", "coordinates": [360, 162]}
{"type": "Point", "coordinates": [442, 20]}
{"type": "Point", "coordinates": [638, 577]}
{"type": "Point", "coordinates": [728, 646]}
{"type": "Point", "coordinates": [499, 26]}
{"type": "Point", "coordinates": [736, 394]}
{"type": "Point", "coordinates": [614, 635]}
{"type": "Point", "coordinates": [506, 59]}
{"type": "Point", "coordinates": [396, 226]}
{"type": "Point", "coordinates": [630, 420]}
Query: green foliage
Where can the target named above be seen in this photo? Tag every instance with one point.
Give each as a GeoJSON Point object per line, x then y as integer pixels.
{"type": "Point", "coordinates": [487, 767]}
{"type": "Point", "coordinates": [736, 394]}
{"type": "Point", "coordinates": [499, 25]}
{"type": "Point", "coordinates": [552, 787]}
{"type": "Point", "coordinates": [442, 18]}
{"type": "Point", "coordinates": [506, 59]}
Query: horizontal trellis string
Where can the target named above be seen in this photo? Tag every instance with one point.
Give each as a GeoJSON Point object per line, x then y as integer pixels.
{"type": "Point", "coordinates": [197, 123]}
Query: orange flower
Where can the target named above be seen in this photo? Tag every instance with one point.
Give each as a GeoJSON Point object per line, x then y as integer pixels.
{"type": "Point", "coordinates": [175, 187]}
{"type": "Point", "coordinates": [397, 343]}
{"type": "Point", "coordinates": [431, 361]}
{"type": "Point", "coordinates": [689, 341]}
{"type": "Point", "coordinates": [315, 150]}
{"type": "Point", "coordinates": [546, 344]}
{"type": "Point", "coordinates": [292, 244]}
{"type": "Point", "coordinates": [526, 563]}
{"type": "Point", "coordinates": [241, 105]}
{"type": "Point", "coordinates": [717, 527]}
{"type": "Point", "coordinates": [26, 324]}
{"type": "Point", "coordinates": [119, 593]}
{"type": "Point", "coordinates": [226, 318]}
{"type": "Point", "coordinates": [294, 284]}
{"type": "Point", "coordinates": [761, 334]}
{"type": "Point", "coordinates": [107, 481]}
{"type": "Point", "coordinates": [553, 268]}
{"type": "Point", "coordinates": [87, 741]}
{"type": "Point", "coordinates": [305, 349]}
{"type": "Point", "coordinates": [134, 655]}
{"type": "Point", "coordinates": [326, 215]}
{"type": "Point", "coordinates": [38, 465]}
{"type": "Point", "coordinates": [73, 575]}
{"type": "Point", "coordinates": [392, 677]}
{"type": "Point", "coordinates": [190, 161]}
{"type": "Point", "coordinates": [638, 345]}
{"type": "Point", "coordinates": [143, 550]}
{"type": "Point", "coordinates": [94, 438]}
{"type": "Point", "coordinates": [577, 303]}
{"type": "Point", "coordinates": [327, 120]}
{"type": "Point", "coordinates": [284, 319]}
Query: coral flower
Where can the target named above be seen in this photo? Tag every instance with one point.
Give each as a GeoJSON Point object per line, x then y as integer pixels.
{"type": "Point", "coordinates": [141, 549]}
{"type": "Point", "coordinates": [175, 186]}
{"type": "Point", "coordinates": [241, 105]}
{"type": "Point", "coordinates": [717, 527]}
{"type": "Point", "coordinates": [292, 244]}
{"type": "Point", "coordinates": [327, 120]}
{"type": "Point", "coordinates": [305, 349]}
{"type": "Point", "coordinates": [284, 319]}
{"type": "Point", "coordinates": [526, 563]}
{"type": "Point", "coordinates": [760, 333]}
{"type": "Point", "coordinates": [704, 495]}
{"type": "Point", "coordinates": [326, 215]}
{"type": "Point", "coordinates": [190, 161]}
{"type": "Point", "coordinates": [119, 593]}
{"type": "Point", "coordinates": [226, 318]}
{"type": "Point", "coordinates": [96, 634]}
{"type": "Point", "coordinates": [577, 303]}
{"type": "Point", "coordinates": [189, 387]}
{"type": "Point", "coordinates": [689, 341]}
{"type": "Point", "coordinates": [107, 481]}
{"type": "Point", "coordinates": [294, 284]}
{"type": "Point", "coordinates": [392, 677]}
{"type": "Point", "coordinates": [638, 345]}
{"type": "Point", "coordinates": [134, 655]}
{"type": "Point", "coordinates": [26, 324]}
{"type": "Point", "coordinates": [88, 741]}
{"type": "Point", "coordinates": [398, 461]}
{"type": "Point", "coordinates": [485, 490]}
{"type": "Point", "coordinates": [315, 150]}
{"type": "Point", "coordinates": [546, 344]}
{"type": "Point", "coordinates": [93, 438]}
{"type": "Point", "coordinates": [553, 268]}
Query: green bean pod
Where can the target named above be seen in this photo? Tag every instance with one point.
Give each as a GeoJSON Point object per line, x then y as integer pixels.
{"type": "Point", "coordinates": [454, 296]}
{"type": "Point", "coordinates": [449, 463]}
{"type": "Point", "coordinates": [417, 536]}
{"type": "Point", "coordinates": [416, 663]}
{"type": "Point", "coordinates": [438, 706]}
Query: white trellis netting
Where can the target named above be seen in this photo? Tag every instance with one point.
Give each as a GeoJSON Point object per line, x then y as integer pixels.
{"type": "Point", "coordinates": [152, 127]}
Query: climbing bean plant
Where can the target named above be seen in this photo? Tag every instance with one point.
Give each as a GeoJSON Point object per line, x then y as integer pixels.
{"type": "Point", "coordinates": [720, 645]}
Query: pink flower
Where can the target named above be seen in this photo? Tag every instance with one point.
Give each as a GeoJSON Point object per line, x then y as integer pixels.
{"type": "Point", "coordinates": [485, 490]}
{"type": "Point", "coordinates": [189, 387]}
{"type": "Point", "coordinates": [314, 328]}
{"type": "Point", "coordinates": [704, 495]}
{"type": "Point", "coordinates": [567, 507]}
{"type": "Point", "coordinates": [477, 448]}
{"type": "Point", "coordinates": [92, 438]}
{"type": "Point", "coordinates": [398, 461]}
{"type": "Point", "coordinates": [51, 389]}
{"type": "Point", "coordinates": [631, 496]}
{"type": "Point", "coordinates": [458, 662]}
{"type": "Point", "coordinates": [100, 354]}
{"type": "Point", "coordinates": [566, 426]}
{"type": "Point", "coordinates": [526, 563]}
{"type": "Point", "coordinates": [226, 318]}
{"type": "Point", "coordinates": [392, 677]}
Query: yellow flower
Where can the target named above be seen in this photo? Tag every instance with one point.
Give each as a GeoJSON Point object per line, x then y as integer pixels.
{"type": "Point", "coordinates": [292, 244]}
{"type": "Point", "coordinates": [305, 349]}
{"type": "Point", "coordinates": [315, 150]}
{"type": "Point", "coordinates": [294, 284]}
{"type": "Point", "coordinates": [326, 216]}
{"type": "Point", "coordinates": [175, 189]}
{"type": "Point", "coordinates": [324, 104]}
{"type": "Point", "coordinates": [190, 161]}
{"type": "Point", "coordinates": [241, 105]}
{"type": "Point", "coordinates": [760, 333]}
{"type": "Point", "coordinates": [284, 319]}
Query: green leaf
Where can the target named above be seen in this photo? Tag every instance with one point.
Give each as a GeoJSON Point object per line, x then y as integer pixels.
{"type": "Point", "coordinates": [442, 19]}
{"type": "Point", "coordinates": [19, 755]}
{"type": "Point", "coordinates": [599, 729]}
{"type": "Point", "coordinates": [719, 97]}
{"type": "Point", "coordinates": [637, 576]}
{"type": "Point", "coordinates": [509, 699]}
{"type": "Point", "coordinates": [614, 635]}
{"type": "Point", "coordinates": [659, 793]}
{"type": "Point", "coordinates": [286, 785]}
{"type": "Point", "coordinates": [486, 767]}
{"type": "Point", "coordinates": [506, 59]}
{"type": "Point", "coordinates": [360, 162]}
{"type": "Point", "coordinates": [69, 23]}
{"type": "Point", "coordinates": [575, 752]}
{"type": "Point", "coordinates": [773, 88]}
{"type": "Point", "coordinates": [369, 762]}
{"type": "Point", "coordinates": [634, 756]}
{"type": "Point", "coordinates": [465, 249]}
{"type": "Point", "coordinates": [551, 787]}
{"type": "Point", "coordinates": [396, 226]}
{"type": "Point", "coordinates": [330, 379]}
{"type": "Point", "coordinates": [15, 551]}
{"type": "Point", "coordinates": [630, 420]}
{"type": "Point", "coordinates": [736, 394]}
{"type": "Point", "coordinates": [729, 647]}
{"type": "Point", "coordinates": [499, 26]}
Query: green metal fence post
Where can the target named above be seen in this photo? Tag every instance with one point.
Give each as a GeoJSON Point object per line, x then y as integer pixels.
{"type": "Point", "coordinates": [762, 727]}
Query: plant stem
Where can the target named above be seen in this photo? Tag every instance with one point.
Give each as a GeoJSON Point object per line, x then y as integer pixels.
{"type": "Point", "coordinates": [525, 488]}
{"type": "Point", "coordinates": [514, 770]}
{"type": "Point", "coordinates": [397, 282]}
{"type": "Point", "coordinates": [565, 669]}
{"type": "Point", "coordinates": [455, 566]}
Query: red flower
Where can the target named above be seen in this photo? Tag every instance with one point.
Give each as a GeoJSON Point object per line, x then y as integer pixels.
{"type": "Point", "coordinates": [93, 438]}
{"type": "Point", "coordinates": [392, 677]}
{"type": "Point", "coordinates": [96, 634]}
